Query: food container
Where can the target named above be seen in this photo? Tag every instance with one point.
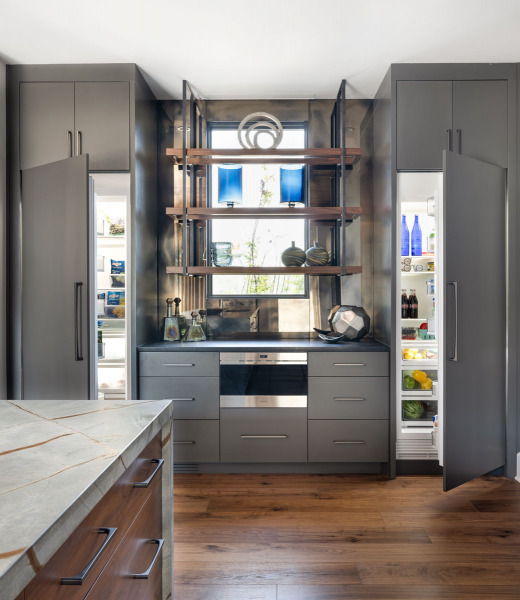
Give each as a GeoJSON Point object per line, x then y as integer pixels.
{"type": "Point", "coordinates": [408, 333]}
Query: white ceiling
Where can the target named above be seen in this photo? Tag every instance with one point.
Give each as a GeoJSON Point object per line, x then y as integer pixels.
{"type": "Point", "coordinates": [260, 48]}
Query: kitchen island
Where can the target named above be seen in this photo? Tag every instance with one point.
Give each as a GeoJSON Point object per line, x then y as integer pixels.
{"type": "Point", "coordinates": [68, 486]}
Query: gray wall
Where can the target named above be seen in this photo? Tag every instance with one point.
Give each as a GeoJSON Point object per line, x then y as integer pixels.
{"type": "Point", "coordinates": [3, 205]}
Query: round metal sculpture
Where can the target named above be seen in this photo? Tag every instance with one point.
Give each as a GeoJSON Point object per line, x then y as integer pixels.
{"type": "Point", "coordinates": [316, 256]}
{"type": "Point", "coordinates": [293, 256]}
{"type": "Point", "coordinates": [350, 321]}
{"type": "Point", "coordinates": [259, 123]}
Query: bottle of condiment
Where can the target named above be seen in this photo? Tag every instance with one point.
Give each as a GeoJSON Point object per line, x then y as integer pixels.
{"type": "Point", "coordinates": [405, 305]}
{"type": "Point", "coordinates": [416, 238]}
{"type": "Point", "coordinates": [431, 242]}
{"type": "Point", "coordinates": [414, 307]}
{"type": "Point", "coordinates": [405, 238]}
{"type": "Point", "coordinates": [181, 318]}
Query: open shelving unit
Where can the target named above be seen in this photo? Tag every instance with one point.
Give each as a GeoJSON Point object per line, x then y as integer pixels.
{"type": "Point", "coordinates": [193, 159]}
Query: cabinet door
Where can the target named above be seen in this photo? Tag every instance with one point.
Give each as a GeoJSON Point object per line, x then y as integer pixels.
{"type": "Point", "coordinates": [480, 120]}
{"type": "Point", "coordinates": [46, 123]}
{"type": "Point", "coordinates": [102, 123]}
{"type": "Point", "coordinates": [55, 340]}
{"type": "Point", "coordinates": [424, 115]}
{"type": "Point", "coordinates": [475, 319]}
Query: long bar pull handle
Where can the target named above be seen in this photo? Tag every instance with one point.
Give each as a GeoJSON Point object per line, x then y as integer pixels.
{"type": "Point", "coordinates": [144, 484]}
{"type": "Point", "coordinates": [349, 442]}
{"type": "Point", "coordinates": [79, 140]}
{"type": "Point", "coordinates": [349, 365]}
{"type": "Point", "coordinates": [449, 141]}
{"type": "Point", "coordinates": [69, 144]}
{"type": "Point", "coordinates": [180, 399]}
{"type": "Point", "coordinates": [455, 357]}
{"type": "Point", "coordinates": [80, 577]}
{"type": "Point", "coordinates": [78, 321]}
{"type": "Point", "coordinates": [264, 437]}
{"type": "Point", "coordinates": [459, 139]}
{"type": "Point", "coordinates": [184, 443]}
{"type": "Point", "coordinates": [178, 365]}
{"type": "Point", "coordinates": [146, 574]}
{"type": "Point", "coordinates": [350, 399]}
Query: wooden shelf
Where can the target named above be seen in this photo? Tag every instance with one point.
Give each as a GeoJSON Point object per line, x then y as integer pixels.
{"type": "Point", "coordinates": [327, 270]}
{"type": "Point", "coordinates": [314, 213]}
{"type": "Point", "coordinates": [307, 156]}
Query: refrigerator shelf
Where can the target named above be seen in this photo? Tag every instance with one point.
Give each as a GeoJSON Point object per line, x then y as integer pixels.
{"type": "Point", "coordinates": [111, 362]}
{"type": "Point", "coordinates": [420, 343]}
{"type": "Point", "coordinates": [432, 362]}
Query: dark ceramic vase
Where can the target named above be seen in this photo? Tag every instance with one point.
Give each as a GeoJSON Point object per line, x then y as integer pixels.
{"type": "Point", "coordinates": [293, 256]}
{"type": "Point", "coordinates": [316, 256]}
{"type": "Point", "coordinates": [351, 321]}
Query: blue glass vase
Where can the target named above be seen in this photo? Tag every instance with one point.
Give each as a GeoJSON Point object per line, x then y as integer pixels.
{"type": "Point", "coordinates": [230, 184]}
{"type": "Point", "coordinates": [291, 184]}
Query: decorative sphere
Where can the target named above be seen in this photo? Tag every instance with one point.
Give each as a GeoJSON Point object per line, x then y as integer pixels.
{"type": "Point", "coordinates": [352, 321]}
{"type": "Point", "coordinates": [293, 256]}
{"type": "Point", "coordinates": [316, 256]}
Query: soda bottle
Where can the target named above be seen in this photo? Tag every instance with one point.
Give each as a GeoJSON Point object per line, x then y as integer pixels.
{"type": "Point", "coordinates": [414, 308]}
{"type": "Point", "coordinates": [416, 238]}
{"type": "Point", "coordinates": [405, 305]}
{"type": "Point", "coordinates": [405, 238]}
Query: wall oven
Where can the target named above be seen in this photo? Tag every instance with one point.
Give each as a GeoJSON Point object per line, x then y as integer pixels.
{"type": "Point", "coordinates": [263, 379]}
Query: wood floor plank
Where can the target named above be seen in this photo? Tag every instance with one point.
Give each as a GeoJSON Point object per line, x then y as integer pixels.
{"type": "Point", "coordinates": [225, 592]}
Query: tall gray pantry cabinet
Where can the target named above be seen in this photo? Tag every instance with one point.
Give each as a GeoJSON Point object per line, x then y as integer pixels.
{"type": "Point", "coordinates": [460, 120]}
{"type": "Point", "coordinates": [66, 122]}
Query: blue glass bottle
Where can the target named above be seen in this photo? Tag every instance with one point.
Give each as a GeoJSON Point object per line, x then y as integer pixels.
{"type": "Point", "coordinates": [405, 238]}
{"type": "Point", "coordinates": [416, 238]}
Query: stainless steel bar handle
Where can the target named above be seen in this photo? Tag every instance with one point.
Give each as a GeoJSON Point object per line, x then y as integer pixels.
{"type": "Point", "coordinates": [178, 365]}
{"type": "Point", "coordinates": [349, 442]}
{"type": "Point", "coordinates": [350, 399]}
{"type": "Point", "coordinates": [180, 399]}
{"type": "Point", "coordinates": [80, 577]}
{"type": "Point", "coordinates": [146, 574]}
{"type": "Point", "coordinates": [459, 139]}
{"type": "Point", "coordinates": [455, 357]}
{"type": "Point", "coordinates": [183, 443]}
{"type": "Point", "coordinates": [144, 484]}
{"type": "Point", "coordinates": [349, 364]}
{"type": "Point", "coordinates": [78, 321]}
{"type": "Point", "coordinates": [69, 144]}
{"type": "Point", "coordinates": [264, 437]}
{"type": "Point", "coordinates": [79, 139]}
{"type": "Point", "coordinates": [448, 135]}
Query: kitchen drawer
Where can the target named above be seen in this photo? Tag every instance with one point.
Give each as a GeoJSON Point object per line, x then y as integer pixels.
{"type": "Point", "coordinates": [195, 441]}
{"type": "Point", "coordinates": [117, 509]}
{"type": "Point", "coordinates": [348, 398]}
{"type": "Point", "coordinates": [351, 364]}
{"type": "Point", "coordinates": [193, 397]}
{"type": "Point", "coordinates": [348, 441]}
{"type": "Point", "coordinates": [135, 556]}
{"type": "Point", "coordinates": [250, 435]}
{"type": "Point", "coordinates": [179, 364]}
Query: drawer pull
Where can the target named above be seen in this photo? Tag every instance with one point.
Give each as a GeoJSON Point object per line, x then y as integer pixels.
{"type": "Point", "coordinates": [180, 399]}
{"type": "Point", "coordinates": [178, 364]}
{"type": "Point", "coordinates": [349, 442]}
{"type": "Point", "coordinates": [191, 442]}
{"type": "Point", "coordinates": [144, 484]}
{"type": "Point", "coordinates": [350, 399]}
{"type": "Point", "coordinates": [264, 437]}
{"type": "Point", "coordinates": [80, 577]}
{"type": "Point", "coordinates": [146, 573]}
{"type": "Point", "coordinates": [349, 365]}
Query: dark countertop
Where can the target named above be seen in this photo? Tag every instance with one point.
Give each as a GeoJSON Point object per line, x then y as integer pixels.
{"type": "Point", "coordinates": [267, 345]}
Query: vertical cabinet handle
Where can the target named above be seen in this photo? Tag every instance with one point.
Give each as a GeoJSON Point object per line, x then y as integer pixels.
{"type": "Point", "coordinates": [79, 139]}
{"type": "Point", "coordinates": [448, 140]}
{"type": "Point", "coordinates": [459, 140]}
{"type": "Point", "coordinates": [455, 356]}
{"type": "Point", "coordinates": [146, 574]}
{"type": "Point", "coordinates": [69, 144]}
{"type": "Point", "coordinates": [78, 321]}
{"type": "Point", "coordinates": [80, 577]}
{"type": "Point", "coordinates": [144, 484]}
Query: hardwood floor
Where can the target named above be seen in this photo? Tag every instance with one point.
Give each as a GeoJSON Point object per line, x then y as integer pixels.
{"type": "Point", "coordinates": [345, 537]}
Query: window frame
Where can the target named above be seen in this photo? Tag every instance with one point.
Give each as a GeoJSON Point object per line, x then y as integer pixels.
{"type": "Point", "coordinates": [210, 127]}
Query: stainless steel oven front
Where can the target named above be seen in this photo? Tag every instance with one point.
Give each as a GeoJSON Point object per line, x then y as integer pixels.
{"type": "Point", "coordinates": [263, 379]}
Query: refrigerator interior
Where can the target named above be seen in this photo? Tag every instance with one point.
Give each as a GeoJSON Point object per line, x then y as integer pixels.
{"type": "Point", "coordinates": [419, 344]}
{"type": "Point", "coordinates": [112, 293]}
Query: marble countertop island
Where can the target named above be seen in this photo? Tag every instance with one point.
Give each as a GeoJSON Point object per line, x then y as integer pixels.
{"type": "Point", "coordinates": [57, 460]}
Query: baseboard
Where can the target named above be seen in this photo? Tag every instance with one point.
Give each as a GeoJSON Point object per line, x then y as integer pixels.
{"type": "Point", "coordinates": [418, 467]}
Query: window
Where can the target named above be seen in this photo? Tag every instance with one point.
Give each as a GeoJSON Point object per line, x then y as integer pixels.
{"type": "Point", "coordinates": [256, 242]}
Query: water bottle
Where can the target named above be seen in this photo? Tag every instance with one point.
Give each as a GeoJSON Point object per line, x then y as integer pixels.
{"type": "Point", "coordinates": [416, 238]}
{"type": "Point", "coordinates": [405, 238]}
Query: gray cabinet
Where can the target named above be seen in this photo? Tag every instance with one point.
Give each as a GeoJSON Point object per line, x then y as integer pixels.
{"type": "Point", "coordinates": [179, 364]}
{"type": "Point", "coordinates": [348, 364]}
{"type": "Point", "coordinates": [468, 117]}
{"type": "Point", "coordinates": [195, 441]}
{"type": "Point", "coordinates": [60, 120]}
